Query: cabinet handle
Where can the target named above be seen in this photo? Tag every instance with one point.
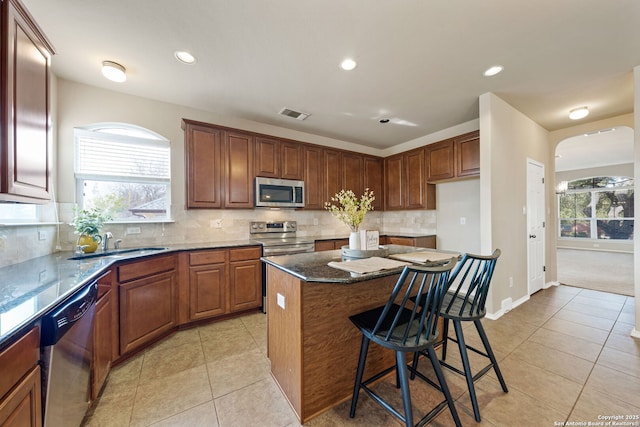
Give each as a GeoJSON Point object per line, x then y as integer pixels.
{"type": "Point", "coordinates": [532, 236]}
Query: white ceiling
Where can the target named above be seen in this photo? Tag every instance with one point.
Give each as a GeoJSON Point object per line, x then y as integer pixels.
{"type": "Point", "coordinates": [611, 146]}
{"type": "Point", "coordinates": [420, 62]}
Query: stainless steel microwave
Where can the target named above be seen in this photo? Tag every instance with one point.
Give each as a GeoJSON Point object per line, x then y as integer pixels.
{"type": "Point", "coordinates": [279, 193]}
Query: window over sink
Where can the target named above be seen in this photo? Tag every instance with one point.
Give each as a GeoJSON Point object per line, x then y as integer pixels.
{"type": "Point", "coordinates": [123, 168]}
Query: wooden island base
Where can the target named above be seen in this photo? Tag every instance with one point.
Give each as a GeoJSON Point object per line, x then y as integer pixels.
{"type": "Point", "coordinates": [312, 345]}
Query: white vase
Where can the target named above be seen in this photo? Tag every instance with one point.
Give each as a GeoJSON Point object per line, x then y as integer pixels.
{"type": "Point", "coordinates": [354, 240]}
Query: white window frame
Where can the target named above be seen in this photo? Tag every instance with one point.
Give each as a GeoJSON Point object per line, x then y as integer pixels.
{"type": "Point", "coordinates": [100, 131]}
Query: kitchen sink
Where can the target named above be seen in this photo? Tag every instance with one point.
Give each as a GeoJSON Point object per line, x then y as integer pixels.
{"type": "Point", "coordinates": [119, 252]}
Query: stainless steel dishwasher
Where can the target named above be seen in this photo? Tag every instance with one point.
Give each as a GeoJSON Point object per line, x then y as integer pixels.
{"type": "Point", "coordinates": [67, 348]}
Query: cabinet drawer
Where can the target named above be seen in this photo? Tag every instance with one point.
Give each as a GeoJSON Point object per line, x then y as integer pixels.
{"type": "Point", "coordinates": [244, 254]}
{"type": "Point", "coordinates": [139, 269]}
{"type": "Point", "coordinates": [206, 257]}
{"type": "Point", "coordinates": [18, 359]}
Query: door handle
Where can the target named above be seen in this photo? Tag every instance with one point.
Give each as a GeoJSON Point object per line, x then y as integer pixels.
{"type": "Point", "coordinates": [532, 236]}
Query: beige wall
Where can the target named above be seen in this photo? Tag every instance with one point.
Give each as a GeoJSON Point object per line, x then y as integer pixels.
{"type": "Point", "coordinates": [636, 157]}
{"type": "Point", "coordinates": [509, 138]}
{"type": "Point", "coordinates": [456, 200]}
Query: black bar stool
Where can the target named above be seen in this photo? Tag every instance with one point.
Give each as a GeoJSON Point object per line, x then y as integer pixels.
{"type": "Point", "coordinates": [405, 327]}
{"type": "Point", "coordinates": [464, 302]}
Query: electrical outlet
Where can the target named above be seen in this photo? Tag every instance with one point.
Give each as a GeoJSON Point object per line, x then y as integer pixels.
{"type": "Point", "coordinates": [216, 223]}
{"type": "Point", "coordinates": [42, 235]}
{"type": "Point", "coordinates": [133, 230]}
{"type": "Point", "coordinates": [280, 300]}
{"type": "Point", "coordinates": [315, 221]}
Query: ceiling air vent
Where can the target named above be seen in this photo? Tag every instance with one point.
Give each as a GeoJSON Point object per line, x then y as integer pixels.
{"type": "Point", "coordinates": [294, 114]}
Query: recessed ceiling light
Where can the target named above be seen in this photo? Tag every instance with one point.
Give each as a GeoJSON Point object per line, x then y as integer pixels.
{"type": "Point", "coordinates": [348, 64]}
{"type": "Point", "coordinates": [114, 71]}
{"type": "Point", "coordinates": [185, 57]}
{"type": "Point", "coordinates": [492, 71]}
{"type": "Point", "coordinates": [579, 113]}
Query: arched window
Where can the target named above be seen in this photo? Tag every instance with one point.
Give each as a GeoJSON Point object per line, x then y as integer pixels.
{"type": "Point", "coordinates": [125, 169]}
{"type": "Point", "coordinates": [598, 208]}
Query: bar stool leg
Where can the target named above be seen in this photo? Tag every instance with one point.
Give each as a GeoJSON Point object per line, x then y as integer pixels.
{"type": "Point", "coordinates": [403, 375]}
{"type": "Point", "coordinates": [492, 357]}
{"type": "Point", "coordinates": [364, 349]}
{"type": "Point", "coordinates": [443, 385]}
{"type": "Point", "coordinates": [445, 338]}
{"type": "Point", "coordinates": [467, 368]}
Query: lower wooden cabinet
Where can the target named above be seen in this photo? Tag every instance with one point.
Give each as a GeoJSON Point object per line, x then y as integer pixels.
{"type": "Point", "coordinates": [221, 281]}
{"type": "Point", "coordinates": [330, 245]}
{"type": "Point", "coordinates": [20, 382]}
{"type": "Point", "coordinates": [421, 242]}
{"type": "Point", "coordinates": [148, 300]}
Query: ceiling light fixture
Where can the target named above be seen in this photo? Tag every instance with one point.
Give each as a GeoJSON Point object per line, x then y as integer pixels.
{"type": "Point", "coordinates": [114, 71]}
{"type": "Point", "coordinates": [185, 57]}
{"type": "Point", "coordinates": [492, 71]}
{"type": "Point", "coordinates": [579, 113]}
{"type": "Point", "coordinates": [348, 64]}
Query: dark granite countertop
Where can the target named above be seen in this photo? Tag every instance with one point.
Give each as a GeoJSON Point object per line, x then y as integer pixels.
{"type": "Point", "coordinates": [30, 289]}
{"type": "Point", "coordinates": [313, 267]}
{"type": "Point", "coordinates": [346, 236]}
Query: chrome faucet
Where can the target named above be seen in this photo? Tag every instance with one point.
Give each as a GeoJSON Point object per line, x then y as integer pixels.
{"type": "Point", "coordinates": [105, 241]}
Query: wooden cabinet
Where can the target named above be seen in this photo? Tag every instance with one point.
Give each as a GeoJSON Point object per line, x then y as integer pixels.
{"type": "Point", "coordinates": [203, 155]}
{"type": "Point", "coordinates": [330, 245]}
{"type": "Point", "coordinates": [373, 180]}
{"type": "Point", "coordinates": [422, 241]}
{"type": "Point", "coordinates": [332, 173]}
{"type": "Point", "coordinates": [352, 173]}
{"type": "Point", "coordinates": [222, 281]}
{"type": "Point", "coordinates": [207, 283]}
{"type": "Point", "coordinates": [105, 334]}
{"type": "Point", "coordinates": [453, 158]}
{"type": "Point", "coordinates": [25, 137]}
{"type": "Point", "coordinates": [238, 170]}
{"type": "Point", "coordinates": [278, 159]}
{"type": "Point", "coordinates": [148, 294]}
{"type": "Point", "coordinates": [313, 178]}
{"type": "Point", "coordinates": [245, 278]}
{"type": "Point", "coordinates": [405, 181]}
{"type": "Point", "coordinates": [20, 382]}
{"type": "Point", "coordinates": [467, 149]}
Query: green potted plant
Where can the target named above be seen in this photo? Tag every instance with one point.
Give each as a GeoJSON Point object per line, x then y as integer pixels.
{"type": "Point", "coordinates": [87, 224]}
{"type": "Point", "coordinates": [351, 211]}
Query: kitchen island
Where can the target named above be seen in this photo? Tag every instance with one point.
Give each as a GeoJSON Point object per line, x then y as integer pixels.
{"type": "Point", "coordinates": [312, 345]}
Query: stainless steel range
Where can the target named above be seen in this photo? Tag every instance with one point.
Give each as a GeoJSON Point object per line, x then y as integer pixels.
{"type": "Point", "coordinates": [279, 238]}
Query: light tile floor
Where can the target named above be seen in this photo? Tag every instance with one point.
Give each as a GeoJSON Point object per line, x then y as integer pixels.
{"type": "Point", "coordinates": [566, 355]}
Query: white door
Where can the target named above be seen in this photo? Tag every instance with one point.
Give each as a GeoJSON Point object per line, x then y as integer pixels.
{"type": "Point", "coordinates": [535, 226]}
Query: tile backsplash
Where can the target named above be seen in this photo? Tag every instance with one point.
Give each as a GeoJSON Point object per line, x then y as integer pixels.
{"type": "Point", "coordinates": [20, 243]}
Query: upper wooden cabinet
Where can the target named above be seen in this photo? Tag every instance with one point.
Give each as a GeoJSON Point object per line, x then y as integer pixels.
{"type": "Point", "coordinates": [468, 154]}
{"type": "Point", "coordinates": [25, 137]}
{"type": "Point", "coordinates": [457, 157]}
{"type": "Point", "coordinates": [352, 176]}
{"type": "Point", "coordinates": [203, 156]}
{"type": "Point", "coordinates": [374, 180]}
{"type": "Point", "coordinates": [313, 177]}
{"type": "Point", "coordinates": [405, 181]}
{"type": "Point", "coordinates": [278, 159]}
{"type": "Point", "coordinates": [238, 170]}
{"type": "Point", "coordinates": [332, 173]}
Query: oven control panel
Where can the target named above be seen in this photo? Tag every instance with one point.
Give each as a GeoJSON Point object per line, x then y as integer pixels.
{"type": "Point", "coordinates": [273, 227]}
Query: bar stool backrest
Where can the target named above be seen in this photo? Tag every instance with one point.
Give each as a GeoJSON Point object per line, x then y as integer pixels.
{"type": "Point", "coordinates": [469, 285]}
{"type": "Point", "coordinates": [403, 323]}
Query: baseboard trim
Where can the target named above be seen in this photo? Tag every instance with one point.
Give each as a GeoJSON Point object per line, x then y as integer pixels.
{"type": "Point", "coordinates": [635, 333]}
{"type": "Point", "coordinates": [498, 314]}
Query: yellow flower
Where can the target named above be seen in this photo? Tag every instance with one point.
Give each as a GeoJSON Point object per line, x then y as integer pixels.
{"type": "Point", "coordinates": [350, 210]}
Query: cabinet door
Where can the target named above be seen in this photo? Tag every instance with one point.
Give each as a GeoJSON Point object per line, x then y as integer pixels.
{"type": "Point", "coordinates": [394, 182]}
{"type": "Point", "coordinates": [207, 284]}
{"type": "Point", "coordinates": [25, 134]}
{"type": "Point", "coordinates": [147, 310]}
{"type": "Point", "coordinates": [373, 180]}
{"type": "Point", "coordinates": [468, 154]}
{"type": "Point", "coordinates": [203, 158]}
{"type": "Point", "coordinates": [292, 161]}
{"type": "Point", "coordinates": [245, 285]}
{"type": "Point", "coordinates": [313, 178]}
{"type": "Point", "coordinates": [441, 161]}
{"type": "Point", "coordinates": [332, 171]}
{"type": "Point", "coordinates": [267, 157]}
{"type": "Point", "coordinates": [23, 406]}
{"type": "Point", "coordinates": [415, 196]}
{"type": "Point", "coordinates": [239, 170]}
{"type": "Point", "coordinates": [102, 343]}
{"type": "Point", "coordinates": [352, 173]}
{"type": "Point", "coordinates": [324, 245]}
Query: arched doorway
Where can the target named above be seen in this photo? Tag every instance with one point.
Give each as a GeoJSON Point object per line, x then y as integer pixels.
{"type": "Point", "coordinates": [595, 187]}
